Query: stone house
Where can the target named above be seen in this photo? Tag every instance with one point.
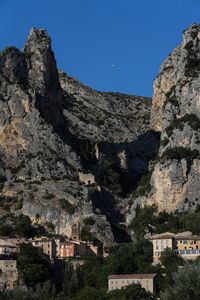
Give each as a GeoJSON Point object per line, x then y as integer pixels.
{"type": "Point", "coordinates": [48, 245]}
{"type": "Point", "coordinates": [10, 246]}
{"type": "Point", "coordinates": [8, 274]}
{"type": "Point", "coordinates": [147, 281]}
{"type": "Point", "coordinates": [8, 250]}
{"type": "Point", "coordinates": [86, 178]}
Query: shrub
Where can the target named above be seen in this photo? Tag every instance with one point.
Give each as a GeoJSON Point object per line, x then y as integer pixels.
{"type": "Point", "coordinates": [50, 226]}
{"type": "Point", "coordinates": [191, 119]}
{"type": "Point", "coordinates": [67, 206]}
{"type": "Point", "coordinates": [164, 142]}
{"type": "Point", "coordinates": [144, 186]}
{"type": "Point", "coordinates": [85, 234]}
{"type": "Point", "coordinates": [89, 221]}
{"type": "Point", "coordinates": [179, 153]}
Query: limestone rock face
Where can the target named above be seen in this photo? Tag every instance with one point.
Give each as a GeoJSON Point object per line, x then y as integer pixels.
{"type": "Point", "coordinates": [176, 114]}
{"type": "Point", "coordinates": [53, 128]}
{"type": "Point", "coordinates": [111, 117]}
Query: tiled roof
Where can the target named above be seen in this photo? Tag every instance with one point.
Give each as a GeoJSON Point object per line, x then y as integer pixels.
{"type": "Point", "coordinates": [186, 235]}
{"type": "Point", "coordinates": [164, 235]}
{"type": "Point", "coordinates": [132, 276]}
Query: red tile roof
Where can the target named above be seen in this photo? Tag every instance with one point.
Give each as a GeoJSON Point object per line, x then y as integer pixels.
{"type": "Point", "coordinates": [132, 276]}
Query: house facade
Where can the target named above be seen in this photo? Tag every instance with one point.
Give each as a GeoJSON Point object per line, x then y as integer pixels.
{"type": "Point", "coordinates": [10, 246]}
{"type": "Point", "coordinates": [48, 245]}
{"type": "Point", "coordinates": [147, 281]}
{"type": "Point", "coordinates": [160, 243]}
{"type": "Point", "coordinates": [185, 244]}
{"type": "Point", "coordinates": [68, 249]}
{"type": "Point", "coordinates": [8, 274]}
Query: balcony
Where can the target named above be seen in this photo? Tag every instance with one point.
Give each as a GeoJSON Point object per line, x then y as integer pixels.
{"type": "Point", "coordinates": [187, 252]}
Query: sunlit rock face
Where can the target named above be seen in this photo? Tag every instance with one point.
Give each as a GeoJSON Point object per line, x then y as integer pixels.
{"type": "Point", "coordinates": [176, 114]}
{"type": "Point", "coordinates": [53, 128]}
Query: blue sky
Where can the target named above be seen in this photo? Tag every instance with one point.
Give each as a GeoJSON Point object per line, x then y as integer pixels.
{"type": "Point", "coordinates": [89, 36]}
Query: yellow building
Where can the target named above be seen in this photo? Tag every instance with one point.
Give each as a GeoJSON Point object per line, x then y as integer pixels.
{"type": "Point", "coordinates": [147, 281]}
{"type": "Point", "coordinates": [185, 244]}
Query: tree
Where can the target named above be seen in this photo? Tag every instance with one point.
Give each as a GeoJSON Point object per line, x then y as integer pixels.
{"type": "Point", "coordinates": [171, 261]}
{"type": "Point", "coordinates": [90, 293]}
{"type": "Point", "coordinates": [71, 280]}
{"type": "Point", "coordinates": [186, 283]}
{"type": "Point", "coordinates": [33, 265]}
{"type": "Point", "coordinates": [45, 291]}
{"type": "Point", "coordinates": [132, 292]}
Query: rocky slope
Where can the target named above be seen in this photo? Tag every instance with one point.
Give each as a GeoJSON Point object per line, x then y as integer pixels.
{"type": "Point", "coordinates": [51, 128]}
{"type": "Point", "coordinates": [176, 114]}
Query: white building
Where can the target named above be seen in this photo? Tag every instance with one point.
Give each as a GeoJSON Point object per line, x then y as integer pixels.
{"type": "Point", "coordinates": [147, 281]}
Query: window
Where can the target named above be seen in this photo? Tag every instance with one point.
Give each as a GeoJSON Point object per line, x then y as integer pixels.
{"type": "Point", "coordinates": [157, 247]}
{"type": "Point", "coordinates": [167, 241]}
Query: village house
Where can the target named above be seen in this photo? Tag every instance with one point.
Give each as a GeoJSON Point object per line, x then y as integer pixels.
{"type": "Point", "coordinates": [68, 249]}
{"type": "Point", "coordinates": [160, 243]}
{"type": "Point", "coordinates": [10, 246]}
{"type": "Point", "coordinates": [48, 246]}
{"type": "Point", "coordinates": [147, 281]}
{"type": "Point", "coordinates": [185, 244]}
{"type": "Point", "coordinates": [87, 179]}
{"type": "Point", "coordinates": [77, 248]}
{"type": "Point", "coordinates": [8, 274]}
{"type": "Point", "coordinates": [7, 250]}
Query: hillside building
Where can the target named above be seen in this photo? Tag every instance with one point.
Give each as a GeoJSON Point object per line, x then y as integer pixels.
{"type": "Point", "coordinates": [185, 244]}
{"type": "Point", "coordinates": [147, 281]}
{"type": "Point", "coordinates": [48, 246]}
{"type": "Point", "coordinates": [8, 274]}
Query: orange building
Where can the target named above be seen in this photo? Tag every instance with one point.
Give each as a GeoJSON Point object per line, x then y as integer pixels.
{"type": "Point", "coordinates": [68, 249]}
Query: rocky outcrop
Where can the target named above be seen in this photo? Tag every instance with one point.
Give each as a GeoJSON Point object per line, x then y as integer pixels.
{"type": "Point", "coordinates": [176, 114]}
{"type": "Point", "coordinates": [53, 128]}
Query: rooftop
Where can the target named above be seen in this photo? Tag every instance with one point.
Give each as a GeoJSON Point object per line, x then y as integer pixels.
{"type": "Point", "coordinates": [132, 276]}
{"type": "Point", "coordinates": [164, 235]}
{"type": "Point", "coordinates": [186, 235]}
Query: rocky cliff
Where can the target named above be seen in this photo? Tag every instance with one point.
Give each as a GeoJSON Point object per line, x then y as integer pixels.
{"type": "Point", "coordinates": [52, 128]}
{"type": "Point", "coordinates": [176, 114]}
